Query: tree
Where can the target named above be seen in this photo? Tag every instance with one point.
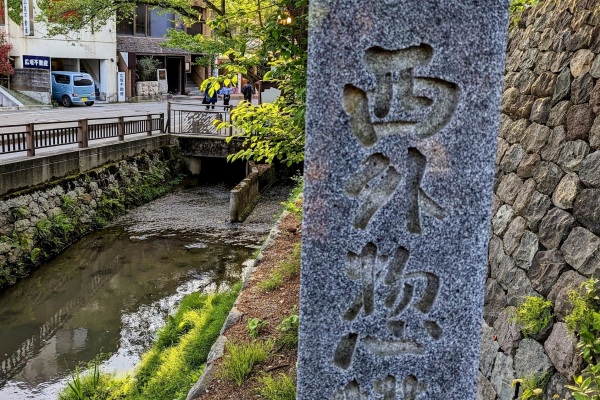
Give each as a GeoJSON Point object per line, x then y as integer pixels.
{"type": "Point", "coordinates": [6, 69]}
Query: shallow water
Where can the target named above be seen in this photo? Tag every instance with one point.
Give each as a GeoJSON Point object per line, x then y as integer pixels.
{"type": "Point", "coordinates": [107, 294]}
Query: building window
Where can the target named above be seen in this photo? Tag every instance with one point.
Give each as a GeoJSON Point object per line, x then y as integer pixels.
{"type": "Point", "coordinates": [195, 29]}
{"type": "Point", "coordinates": [141, 20]}
{"type": "Point", "coordinates": [125, 27]}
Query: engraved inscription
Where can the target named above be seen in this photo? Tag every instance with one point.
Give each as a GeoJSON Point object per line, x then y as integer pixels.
{"type": "Point", "coordinates": [385, 389]}
{"type": "Point", "coordinates": [383, 280]}
{"type": "Point", "coordinates": [402, 103]}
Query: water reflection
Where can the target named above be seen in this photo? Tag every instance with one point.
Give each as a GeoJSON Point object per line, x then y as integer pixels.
{"type": "Point", "coordinates": [111, 291]}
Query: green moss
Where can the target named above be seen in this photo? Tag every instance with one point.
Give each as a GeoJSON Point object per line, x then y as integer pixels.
{"type": "Point", "coordinates": [281, 387]}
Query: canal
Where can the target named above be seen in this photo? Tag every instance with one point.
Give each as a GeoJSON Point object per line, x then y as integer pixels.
{"type": "Point", "coordinates": [106, 296]}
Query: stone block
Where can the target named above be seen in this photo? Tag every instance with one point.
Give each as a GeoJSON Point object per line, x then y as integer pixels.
{"type": "Point", "coordinates": [508, 333]}
{"type": "Point", "coordinates": [560, 348]}
{"type": "Point", "coordinates": [553, 145]}
{"type": "Point", "coordinates": [509, 187]}
{"type": "Point", "coordinates": [562, 89]}
{"type": "Point", "coordinates": [572, 154]}
{"type": "Point", "coordinates": [526, 250]}
{"type": "Point", "coordinates": [488, 349]}
{"type": "Point", "coordinates": [515, 133]}
{"type": "Point", "coordinates": [513, 234]}
{"type": "Point", "coordinates": [512, 158]}
{"type": "Point", "coordinates": [502, 219]}
{"type": "Point", "coordinates": [528, 165]}
{"type": "Point", "coordinates": [555, 227]}
{"type": "Point", "coordinates": [545, 270]}
{"type": "Point", "coordinates": [544, 85]}
{"type": "Point", "coordinates": [524, 80]}
{"type": "Point", "coordinates": [536, 209]}
{"type": "Point", "coordinates": [581, 63]}
{"type": "Point", "coordinates": [540, 111]}
{"type": "Point", "coordinates": [524, 196]}
{"type": "Point", "coordinates": [566, 191]}
{"type": "Point", "coordinates": [485, 390]}
{"type": "Point", "coordinates": [581, 89]}
{"type": "Point", "coordinates": [587, 210]}
{"type": "Point", "coordinates": [579, 247]}
{"type": "Point", "coordinates": [558, 114]}
{"type": "Point", "coordinates": [595, 134]}
{"type": "Point", "coordinates": [502, 376]}
{"type": "Point", "coordinates": [534, 137]}
{"type": "Point", "coordinates": [495, 301]}
{"type": "Point", "coordinates": [580, 119]}
{"type": "Point", "coordinates": [547, 175]}
{"type": "Point", "coordinates": [530, 359]}
{"type": "Point", "coordinates": [595, 98]}
{"type": "Point", "coordinates": [589, 171]}
{"type": "Point", "coordinates": [502, 147]}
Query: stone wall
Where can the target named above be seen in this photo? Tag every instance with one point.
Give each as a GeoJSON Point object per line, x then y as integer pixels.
{"type": "Point", "coordinates": [33, 80]}
{"type": "Point", "coordinates": [40, 222]}
{"type": "Point", "coordinates": [545, 224]}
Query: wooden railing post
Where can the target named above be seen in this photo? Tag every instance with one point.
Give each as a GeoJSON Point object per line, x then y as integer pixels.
{"type": "Point", "coordinates": [121, 129]}
{"type": "Point", "coordinates": [168, 128]}
{"type": "Point", "coordinates": [162, 122]}
{"type": "Point", "coordinates": [149, 125]}
{"type": "Point", "coordinates": [82, 133]}
{"type": "Point", "coordinates": [29, 138]}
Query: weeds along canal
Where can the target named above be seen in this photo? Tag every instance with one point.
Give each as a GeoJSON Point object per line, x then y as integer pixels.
{"type": "Point", "coordinates": [107, 295]}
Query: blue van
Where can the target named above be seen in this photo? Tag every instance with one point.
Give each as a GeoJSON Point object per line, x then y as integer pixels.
{"type": "Point", "coordinates": [71, 88]}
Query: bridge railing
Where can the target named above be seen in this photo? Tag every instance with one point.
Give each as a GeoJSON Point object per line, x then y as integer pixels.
{"type": "Point", "coordinates": [185, 117]}
{"type": "Point", "coordinates": [40, 135]}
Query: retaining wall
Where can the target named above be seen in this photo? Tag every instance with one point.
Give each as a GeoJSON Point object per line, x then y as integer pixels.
{"type": "Point", "coordinates": [546, 225]}
{"type": "Point", "coordinates": [41, 221]}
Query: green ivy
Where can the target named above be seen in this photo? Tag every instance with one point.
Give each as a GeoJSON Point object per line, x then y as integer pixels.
{"type": "Point", "coordinates": [15, 11]}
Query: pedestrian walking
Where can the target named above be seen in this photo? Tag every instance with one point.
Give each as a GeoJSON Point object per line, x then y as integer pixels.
{"type": "Point", "coordinates": [247, 91]}
{"type": "Point", "coordinates": [226, 92]}
{"type": "Point", "coordinates": [208, 99]}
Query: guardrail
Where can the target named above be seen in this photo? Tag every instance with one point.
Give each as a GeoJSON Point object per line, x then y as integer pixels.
{"type": "Point", "coordinates": [39, 135]}
{"type": "Point", "coordinates": [197, 118]}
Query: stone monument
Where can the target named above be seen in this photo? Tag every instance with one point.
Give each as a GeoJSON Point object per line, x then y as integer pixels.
{"type": "Point", "coordinates": [402, 119]}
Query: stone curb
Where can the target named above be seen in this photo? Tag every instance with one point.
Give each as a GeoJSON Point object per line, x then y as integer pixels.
{"type": "Point", "coordinates": [217, 349]}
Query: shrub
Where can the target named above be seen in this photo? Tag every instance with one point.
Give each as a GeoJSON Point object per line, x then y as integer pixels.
{"type": "Point", "coordinates": [533, 315]}
{"type": "Point", "coordinates": [289, 329]}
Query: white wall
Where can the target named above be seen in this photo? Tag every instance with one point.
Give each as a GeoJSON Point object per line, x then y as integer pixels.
{"type": "Point", "coordinates": [101, 45]}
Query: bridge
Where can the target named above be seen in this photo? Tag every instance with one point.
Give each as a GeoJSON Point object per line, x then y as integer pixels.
{"type": "Point", "coordinates": [33, 153]}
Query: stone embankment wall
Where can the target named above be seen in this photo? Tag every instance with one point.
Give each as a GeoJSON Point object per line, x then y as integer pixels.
{"type": "Point", "coordinates": [546, 223]}
{"type": "Point", "coordinates": [38, 223]}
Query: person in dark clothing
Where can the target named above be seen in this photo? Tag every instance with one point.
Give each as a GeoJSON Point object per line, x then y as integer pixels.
{"type": "Point", "coordinates": [247, 91]}
{"type": "Point", "coordinates": [226, 92]}
{"type": "Point", "coordinates": [208, 99]}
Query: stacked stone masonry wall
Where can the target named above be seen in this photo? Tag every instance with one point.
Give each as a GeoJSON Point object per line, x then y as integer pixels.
{"type": "Point", "coordinates": [546, 208]}
{"type": "Point", "coordinates": [21, 213]}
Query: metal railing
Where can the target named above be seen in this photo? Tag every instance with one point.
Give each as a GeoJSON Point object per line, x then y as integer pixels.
{"type": "Point", "coordinates": [197, 118]}
{"type": "Point", "coordinates": [40, 135]}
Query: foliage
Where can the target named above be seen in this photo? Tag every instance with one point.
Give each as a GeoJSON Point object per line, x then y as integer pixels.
{"type": "Point", "coordinates": [255, 326]}
{"type": "Point", "coordinates": [5, 48]}
{"type": "Point", "coordinates": [174, 363]}
{"type": "Point", "coordinates": [294, 201]}
{"type": "Point", "coordinates": [533, 315]}
{"type": "Point", "coordinates": [533, 386]}
{"type": "Point", "coordinates": [241, 358]}
{"type": "Point", "coordinates": [585, 321]}
{"type": "Point", "coordinates": [15, 10]}
{"type": "Point", "coordinates": [288, 269]}
{"type": "Point", "coordinates": [289, 329]}
{"type": "Point", "coordinates": [283, 387]}
{"type": "Point", "coordinates": [517, 7]}
{"type": "Point", "coordinates": [146, 68]}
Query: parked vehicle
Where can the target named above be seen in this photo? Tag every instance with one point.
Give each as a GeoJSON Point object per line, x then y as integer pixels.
{"type": "Point", "coordinates": [71, 88]}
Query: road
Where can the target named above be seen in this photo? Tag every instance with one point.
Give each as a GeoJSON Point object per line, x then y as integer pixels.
{"type": "Point", "coordinates": [81, 112]}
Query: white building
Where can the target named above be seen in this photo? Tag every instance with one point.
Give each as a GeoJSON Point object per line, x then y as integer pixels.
{"type": "Point", "coordinates": [92, 53]}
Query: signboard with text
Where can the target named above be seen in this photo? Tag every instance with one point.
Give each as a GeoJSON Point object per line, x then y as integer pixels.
{"type": "Point", "coordinates": [36, 62]}
{"type": "Point", "coordinates": [121, 86]}
{"type": "Point", "coordinates": [26, 18]}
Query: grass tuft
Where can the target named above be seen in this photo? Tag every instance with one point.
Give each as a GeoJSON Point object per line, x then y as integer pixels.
{"type": "Point", "coordinates": [241, 358]}
{"type": "Point", "coordinates": [281, 387]}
